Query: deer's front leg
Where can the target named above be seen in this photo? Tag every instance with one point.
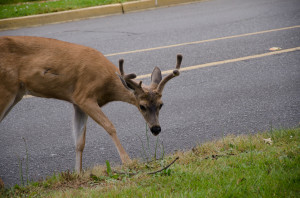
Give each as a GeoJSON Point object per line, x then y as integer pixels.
{"type": "Point", "coordinates": [93, 110]}
{"type": "Point", "coordinates": [79, 131]}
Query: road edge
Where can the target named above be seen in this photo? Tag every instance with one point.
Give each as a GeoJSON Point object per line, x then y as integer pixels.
{"type": "Point", "coordinates": [85, 13]}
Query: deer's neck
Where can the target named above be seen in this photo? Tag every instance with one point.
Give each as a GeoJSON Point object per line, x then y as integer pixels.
{"type": "Point", "coordinates": [124, 95]}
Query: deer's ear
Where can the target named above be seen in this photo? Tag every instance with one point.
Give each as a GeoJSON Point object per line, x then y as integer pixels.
{"type": "Point", "coordinates": [123, 81]}
{"type": "Point", "coordinates": [156, 76]}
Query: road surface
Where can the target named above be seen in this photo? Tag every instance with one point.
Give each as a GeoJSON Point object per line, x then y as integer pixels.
{"type": "Point", "coordinates": [236, 86]}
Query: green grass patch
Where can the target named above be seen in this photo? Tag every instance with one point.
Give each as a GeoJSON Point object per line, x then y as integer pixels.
{"type": "Point", "coordinates": [17, 8]}
{"type": "Point", "coordinates": [3, 2]}
{"type": "Point", "coordinates": [235, 166]}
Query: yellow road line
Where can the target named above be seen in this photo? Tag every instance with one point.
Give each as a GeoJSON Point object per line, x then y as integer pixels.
{"type": "Point", "coordinates": [219, 63]}
{"type": "Point", "coordinates": [203, 41]}
{"type": "Point", "coordinates": [225, 61]}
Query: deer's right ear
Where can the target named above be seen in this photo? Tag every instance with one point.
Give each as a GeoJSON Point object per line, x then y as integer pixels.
{"type": "Point", "coordinates": [156, 76]}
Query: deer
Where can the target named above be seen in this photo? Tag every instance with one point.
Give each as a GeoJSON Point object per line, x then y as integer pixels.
{"type": "Point", "coordinates": [80, 75]}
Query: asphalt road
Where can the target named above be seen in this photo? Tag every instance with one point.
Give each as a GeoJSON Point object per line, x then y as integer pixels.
{"type": "Point", "coordinates": [201, 104]}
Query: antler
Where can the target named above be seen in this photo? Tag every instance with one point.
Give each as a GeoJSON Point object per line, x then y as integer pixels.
{"type": "Point", "coordinates": [170, 76]}
{"type": "Point", "coordinates": [127, 78]}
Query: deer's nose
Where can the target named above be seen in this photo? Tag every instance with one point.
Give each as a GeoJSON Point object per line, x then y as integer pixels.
{"type": "Point", "coordinates": [155, 130]}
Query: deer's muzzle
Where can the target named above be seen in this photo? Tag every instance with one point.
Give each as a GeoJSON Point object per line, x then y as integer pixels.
{"type": "Point", "coordinates": [155, 130]}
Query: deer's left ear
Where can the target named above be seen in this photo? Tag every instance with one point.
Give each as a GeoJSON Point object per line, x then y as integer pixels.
{"type": "Point", "coordinates": [156, 76]}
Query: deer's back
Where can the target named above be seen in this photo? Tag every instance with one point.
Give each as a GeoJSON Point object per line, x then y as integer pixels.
{"type": "Point", "coordinates": [51, 68]}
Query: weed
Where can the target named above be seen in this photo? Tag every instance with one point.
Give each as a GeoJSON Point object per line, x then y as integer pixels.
{"type": "Point", "coordinates": [146, 155]}
{"type": "Point", "coordinates": [66, 176]}
{"type": "Point", "coordinates": [27, 164]}
{"type": "Point", "coordinates": [20, 161]}
{"type": "Point", "coordinates": [108, 168]}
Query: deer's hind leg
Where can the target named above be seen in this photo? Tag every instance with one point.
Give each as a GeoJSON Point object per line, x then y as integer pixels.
{"type": "Point", "coordinates": [9, 98]}
{"type": "Point", "coordinates": [79, 131]}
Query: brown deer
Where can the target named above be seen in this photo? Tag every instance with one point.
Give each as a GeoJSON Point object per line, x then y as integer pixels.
{"type": "Point", "coordinates": [78, 74]}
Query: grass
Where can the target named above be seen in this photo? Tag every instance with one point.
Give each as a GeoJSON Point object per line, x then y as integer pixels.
{"type": "Point", "coordinates": [3, 2]}
{"type": "Point", "coordinates": [234, 166]}
{"type": "Point", "coordinates": [18, 8]}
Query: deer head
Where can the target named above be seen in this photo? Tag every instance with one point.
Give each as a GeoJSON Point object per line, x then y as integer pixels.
{"type": "Point", "coordinates": [148, 98]}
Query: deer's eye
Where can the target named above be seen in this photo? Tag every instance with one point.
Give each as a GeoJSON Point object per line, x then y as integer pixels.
{"type": "Point", "coordinates": [143, 108]}
{"type": "Point", "coordinates": [160, 106]}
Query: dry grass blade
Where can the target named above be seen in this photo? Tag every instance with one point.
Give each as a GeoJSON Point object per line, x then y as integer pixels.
{"type": "Point", "coordinates": [151, 173]}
